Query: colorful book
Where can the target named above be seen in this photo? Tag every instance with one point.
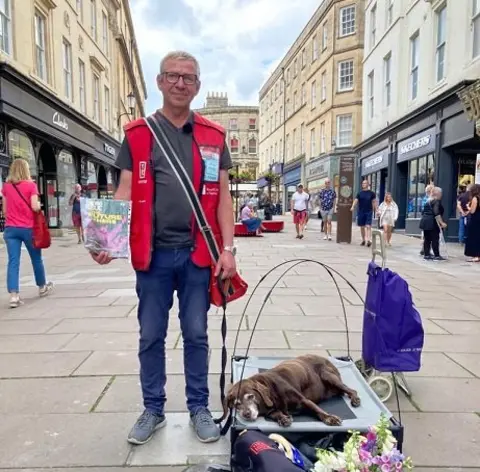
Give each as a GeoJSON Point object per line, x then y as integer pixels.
{"type": "Point", "coordinates": [106, 226]}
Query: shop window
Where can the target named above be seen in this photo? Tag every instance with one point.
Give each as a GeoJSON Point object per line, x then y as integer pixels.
{"type": "Point", "coordinates": [92, 183]}
{"type": "Point", "coordinates": [19, 145]}
{"type": "Point", "coordinates": [421, 172]}
{"type": "Point", "coordinates": [66, 181]}
{"type": "Point", "coordinates": [466, 170]}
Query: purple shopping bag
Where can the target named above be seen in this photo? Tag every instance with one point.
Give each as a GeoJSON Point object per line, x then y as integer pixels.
{"type": "Point", "coordinates": [393, 334]}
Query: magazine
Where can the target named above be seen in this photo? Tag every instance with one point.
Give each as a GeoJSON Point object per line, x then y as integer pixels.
{"type": "Point", "coordinates": [106, 226]}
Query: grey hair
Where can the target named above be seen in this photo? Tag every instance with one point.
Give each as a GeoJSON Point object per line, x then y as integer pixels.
{"type": "Point", "coordinates": [436, 191]}
{"type": "Point", "coordinates": [182, 56]}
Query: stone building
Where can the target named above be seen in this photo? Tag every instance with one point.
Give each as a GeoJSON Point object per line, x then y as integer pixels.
{"type": "Point", "coordinates": [311, 105]}
{"type": "Point", "coordinates": [241, 125]}
{"type": "Point", "coordinates": [70, 77]}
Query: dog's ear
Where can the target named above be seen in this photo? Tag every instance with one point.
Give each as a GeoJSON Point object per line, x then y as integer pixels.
{"type": "Point", "coordinates": [265, 394]}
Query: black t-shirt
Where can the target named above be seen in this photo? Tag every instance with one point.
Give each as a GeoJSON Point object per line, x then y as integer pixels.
{"type": "Point", "coordinates": [173, 214]}
{"type": "Point", "coordinates": [365, 199]}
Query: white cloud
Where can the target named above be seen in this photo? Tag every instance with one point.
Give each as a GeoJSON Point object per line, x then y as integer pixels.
{"type": "Point", "coordinates": [237, 42]}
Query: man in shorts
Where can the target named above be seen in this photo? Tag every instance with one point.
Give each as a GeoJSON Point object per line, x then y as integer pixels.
{"type": "Point", "coordinates": [327, 199]}
{"type": "Point", "coordinates": [299, 209]}
{"type": "Point", "coordinates": [367, 206]}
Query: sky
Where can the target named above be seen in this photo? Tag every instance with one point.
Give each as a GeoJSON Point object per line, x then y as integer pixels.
{"type": "Point", "coordinates": [238, 43]}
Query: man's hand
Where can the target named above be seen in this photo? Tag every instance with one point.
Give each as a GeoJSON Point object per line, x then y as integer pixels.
{"type": "Point", "coordinates": [101, 258]}
{"type": "Point", "coordinates": [226, 265]}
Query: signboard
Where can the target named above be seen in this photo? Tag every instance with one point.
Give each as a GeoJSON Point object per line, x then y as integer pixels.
{"type": "Point", "coordinates": [416, 146]}
{"type": "Point", "coordinates": [293, 176]}
{"type": "Point", "coordinates": [376, 162]}
{"type": "Point", "coordinates": [345, 200]}
{"type": "Point", "coordinates": [319, 169]}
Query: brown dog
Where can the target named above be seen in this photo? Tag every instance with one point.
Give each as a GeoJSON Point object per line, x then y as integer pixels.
{"type": "Point", "coordinates": [296, 384]}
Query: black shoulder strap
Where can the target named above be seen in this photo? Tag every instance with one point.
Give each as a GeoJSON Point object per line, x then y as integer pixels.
{"type": "Point", "coordinates": [172, 158]}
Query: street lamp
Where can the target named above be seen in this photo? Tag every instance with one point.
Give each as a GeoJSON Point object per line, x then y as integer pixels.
{"type": "Point", "coordinates": [131, 106]}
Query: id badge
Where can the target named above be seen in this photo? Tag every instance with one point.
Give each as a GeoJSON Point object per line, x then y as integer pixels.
{"type": "Point", "coordinates": [211, 160]}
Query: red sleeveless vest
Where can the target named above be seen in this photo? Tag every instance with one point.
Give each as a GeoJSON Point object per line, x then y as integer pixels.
{"type": "Point", "coordinates": [207, 137]}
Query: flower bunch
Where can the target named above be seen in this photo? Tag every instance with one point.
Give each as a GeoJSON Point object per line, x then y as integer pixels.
{"type": "Point", "coordinates": [375, 452]}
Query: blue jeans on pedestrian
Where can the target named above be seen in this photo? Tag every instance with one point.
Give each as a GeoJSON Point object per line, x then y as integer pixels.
{"type": "Point", "coordinates": [462, 229]}
{"type": "Point", "coordinates": [170, 270]}
{"type": "Point", "coordinates": [252, 224]}
{"type": "Point", "coordinates": [14, 237]}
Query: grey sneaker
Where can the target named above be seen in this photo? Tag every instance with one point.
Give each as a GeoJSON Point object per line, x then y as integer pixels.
{"type": "Point", "coordinates": [205, 428]}
{"type": "Point", "coordinates": [145, 426]}
{"type": "Point", "coordinates": [46, 289]}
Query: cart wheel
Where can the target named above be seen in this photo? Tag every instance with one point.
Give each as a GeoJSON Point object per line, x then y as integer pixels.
{"type": "Point", "coordinates": [382, 387]}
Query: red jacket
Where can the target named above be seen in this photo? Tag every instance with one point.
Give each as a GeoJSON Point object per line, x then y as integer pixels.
{"type": "Point", "coordinates": [208, 137]}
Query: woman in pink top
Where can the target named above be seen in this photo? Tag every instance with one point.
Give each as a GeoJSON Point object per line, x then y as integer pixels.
{"type": "Point", "coordinates": [20, 201]}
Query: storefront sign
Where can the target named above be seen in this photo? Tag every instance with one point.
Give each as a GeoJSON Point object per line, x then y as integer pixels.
{"type": "Point", "coordinates": [293, 176]}
{"type": "Point", "coordinates": [345, 200]}
{"type": "Point", "coordinates": [262, 182]}
{"type": "Point", "coordinates": [419, 145]}
{"type": "Point", "coordinates": [106, 151]}
{"type": "Point", "coordinates": [109, 149]}
{"type": "Point", "coordinates": [60, 121]}
{"type": "Point", "coordinates": [319, 169]}
{"type": "Point", "coordinates": [376, 162]}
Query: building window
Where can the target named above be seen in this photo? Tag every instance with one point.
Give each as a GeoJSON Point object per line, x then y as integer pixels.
{"type": "Point", "coordinates": [252, 146]}
{"type": "Point", "coordinates": [347, 20]}
{"type": "Point", "coordinates": [288, 107]}
{"type": "Point", "coordinates": [371, 94]}
{"type": "Point", "coordinates": [344, 130]}
{"type": "Point", "coordinates": [441, 44]}
{"type": "Point", "coordinates": [295, 67]}
{"type": "Point", "coordinates": [387, 65]}
{"type": "Point", "coordinates": [5, 26]}
{"type": "Point", "coordinates": [81, 85]}
{"type": "Point", "coordinates": [323, 138]}
{"type": "Point", "coordinates": [304, 58]}
{"type": "Point", "coordinates": [288, 75]}
{"type": "Point", "coordinates": [476, 27]}
{"type": "Point", "coordinates": [234, 145]}
{"type": "Point", "coordinates": [373, 26]}
{"type": "Point", "coordinates": [96, 98]}
{"type": "Point", "coordinates": [314, 48]}
{"type": "Point", "coordinates": [276, 120]}
{"type": "Point", "coordinates": [313, 148]}
{"type": "Point", "coordinates": [93, 19]}
{"type": "Point", "coordinates": [80, 9]}
{"type": "Point", "coordinates": [314, 94]}
{"type": "Point", "coordinates": [324, 86]}
{"type": "Point", "coordinates": [234, 124]}
{"type": "Point", "coordinates": [414, 60]}
{"type": "Point", "coordinates": [105, 33]}
{"type": "Point", "coordinates": [294, 143]}
{"type": "Point", "coordinates": [20, 145]}
{"type": "Point", "coordinates": [281, 115]}
{"type": "Point", "coordinates": [67, 69]}
{"type": "Point", "coordinates": [106, 100]}
{"type": "Point", "coordinates": [304, 94]}
{"type": "Point", "coordinates": [324, 36]}
{"type": "Point", "coordinates": [295, 104]}
{"type": "Point", "coordinates": [345, 75]}
{"type": "Point", "coordinates": [40, 48]}
{"type": "Point", "coordinates": [275, 156]}
{"type": "Point", "coordinates": [421, 173]}
{"type": "Point", "coordinates": [302, 138]}
{"type": "Point", "coordinates": [252, 124]}
{"type": "Point", "coordinates": [389, 15]}
{"type": "Point", "coordinates": [287, 147]}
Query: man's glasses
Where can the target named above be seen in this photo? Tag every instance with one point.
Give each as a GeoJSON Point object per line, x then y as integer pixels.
{"type": "Point", "coordinates": [173, 78]}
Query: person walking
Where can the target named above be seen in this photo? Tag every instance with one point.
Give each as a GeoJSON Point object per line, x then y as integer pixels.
{"type": "Point", "coordinates": [425, 200]}
{"type": "Point", "coordinates": [299, 209]}
{"type": "Point", "coordinates": [367, 204]}
{"type": "Point", "coordinates": [472, 244]}
{"type": "Point", "coordinates": [387, 216]}
{"type": "Point", "coordinates": [327, 197]}
{"type": "Point", "coordinates": [463, 200]}
{"type": "Point", "coordinates": [20, 201]}
{"type": "Point", "coordinates": [168, 251]}
{"type": "Point", "coordinates": [431, 224]}
{"type": "Point", "coordinates": [76, 214]}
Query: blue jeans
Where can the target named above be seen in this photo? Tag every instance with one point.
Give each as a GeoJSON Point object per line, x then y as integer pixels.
{"type": "Point", "coordinates": [170, 270]}
{"type": "Point", "coordinates": [252, 224]}
{"type": "Point", "coordinates": [462, 229]}
{"type": "Point", "coordinates": [13, 239]}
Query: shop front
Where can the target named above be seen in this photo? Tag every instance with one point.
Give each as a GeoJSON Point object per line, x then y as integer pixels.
{"type": "Point", "coordinates": [317, 171]}
{"type": "Point", "coordinates": [374, 169]}
{"type": "Point", "coordinates": [291, 179]}
{"type": "Point", "coordinates": [106, 154]}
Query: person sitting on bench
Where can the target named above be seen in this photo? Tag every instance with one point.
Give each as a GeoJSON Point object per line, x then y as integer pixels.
{"type": "Point", "coordinates": [249, 219]}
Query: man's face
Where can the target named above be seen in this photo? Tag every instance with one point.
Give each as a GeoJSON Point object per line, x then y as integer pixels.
{"type": "Point", "coordinates": [178, 83]}
{"type": "Point", "coordinates": [300, 189]}
{"type": "Point", "coordinates": [364, 185]}
{"type": "Point", "coordinates": [327, 183]}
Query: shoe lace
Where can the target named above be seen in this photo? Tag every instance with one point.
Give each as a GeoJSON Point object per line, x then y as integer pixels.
{"type": "Point", "coordinates": [146, 418]}
{"type": "Point", "coordinates": [203, 417]}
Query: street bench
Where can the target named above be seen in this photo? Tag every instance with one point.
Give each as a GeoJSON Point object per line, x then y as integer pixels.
{"type": "Point", "coordinates": [273, 226]}
{"type": "Point", "coordinates": [241, 230]}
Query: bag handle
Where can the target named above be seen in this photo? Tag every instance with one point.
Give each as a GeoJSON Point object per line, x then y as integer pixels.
{"type": "Point", "coordinates": [172, 158]}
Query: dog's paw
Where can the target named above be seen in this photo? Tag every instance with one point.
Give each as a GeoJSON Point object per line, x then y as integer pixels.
{"type": "Point", "coordinates": [285, 421]}
{"type": "Point", "coordinates": [332, 420]}
{"type": "Point", "coordinates": [355, 401]}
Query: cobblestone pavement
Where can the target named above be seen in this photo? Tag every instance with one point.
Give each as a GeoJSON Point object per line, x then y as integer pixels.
{"type": "Point", "coordinates": [69, 389]}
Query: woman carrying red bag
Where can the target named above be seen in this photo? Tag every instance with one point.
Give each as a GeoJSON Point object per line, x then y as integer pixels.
{"type": "Point", "coordinates": [19, 192]}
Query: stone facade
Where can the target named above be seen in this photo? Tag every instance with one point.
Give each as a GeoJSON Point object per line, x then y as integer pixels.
{"type": "Point", "coordinates": [83, 41]}
{"type": "Point", "coordinates": [307, 111]}
{"type": "Point", "coordinates": [241, 125]}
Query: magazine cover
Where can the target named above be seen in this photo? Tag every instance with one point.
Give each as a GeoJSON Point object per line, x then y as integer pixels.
{"type": "Point", "coordinates": [106, 226]}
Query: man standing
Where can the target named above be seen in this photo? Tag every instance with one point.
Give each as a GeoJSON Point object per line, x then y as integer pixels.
{"type": "Point", "coordinates": [327, 198]}
{"type": "Point", "coordinates": [299, 208]}
{"type": "Point", "coordinates": [367, 206]}
{"type": "Point", "coordinates": [168, 250]}
{"type": "Point", "coordinates": [462, 208]}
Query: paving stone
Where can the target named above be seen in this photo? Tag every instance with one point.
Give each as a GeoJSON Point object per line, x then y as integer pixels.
{"type": "Point", "coordinates": [52, 312]}
{"type": "Point", "coordinates": [176, 444]}
{"type": "Point", "coordinates": [320, 310]}
{"type": "Point", "coordinates": [436, 364]}
{"type": "Point", "coordinates": [95, 325]}
{"type": "Point", "coordinates": [72, 293]}
{"type": "Point", "coordinates": [64, 440]}
{"type": "Point", "coordinates": [34, 342]}
{"type": "Point", "coordinates": [50, 395]}
{"type": "Point", "coordinates": [442, 439]}
{"type": "Point", "coordinates": [322, 340]}
{"type": "Point", "coordinates": [450, 343]}
{"type": "Point", "coordinates": [471, 362]}
{"type": "Point", "coordinates": [124, 394]}
{"type": "Point", "coordinates": [119, 292]}
{"type": "Point", "coordinates": [300, 323]}
{"type": "Point", "coordinates": [460, 327]}
{"type": "Point", "coordinates": [10, 327]}
{"type": "Point", "coordinates": [450, 314]}
{"type": "Point", "coordinates": [355, 324]}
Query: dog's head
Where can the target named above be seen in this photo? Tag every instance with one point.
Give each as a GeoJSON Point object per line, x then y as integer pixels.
{"type": "Point", "coordinates": [250, 398]}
